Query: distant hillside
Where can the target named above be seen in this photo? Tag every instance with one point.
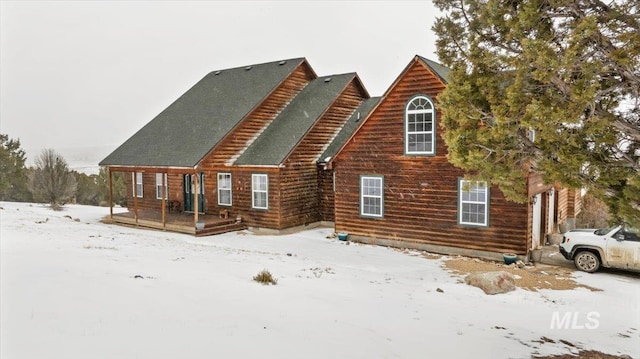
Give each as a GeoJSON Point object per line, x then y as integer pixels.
{"type": "Point", "coordinates": [81, 159]}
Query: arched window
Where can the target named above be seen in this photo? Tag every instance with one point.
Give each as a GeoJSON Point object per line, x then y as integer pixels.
{"type": "Point", "coordinates": [420, 122]}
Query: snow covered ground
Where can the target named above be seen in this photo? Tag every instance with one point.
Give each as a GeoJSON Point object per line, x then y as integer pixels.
{"type": "Point", "coordinates": [72, 287]}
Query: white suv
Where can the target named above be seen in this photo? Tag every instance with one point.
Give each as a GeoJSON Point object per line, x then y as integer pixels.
{"type": "Point", "coordinates": [614, 247]}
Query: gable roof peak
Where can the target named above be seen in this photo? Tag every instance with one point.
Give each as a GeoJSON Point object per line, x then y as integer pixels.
{"type": "Point", "coordinates": [189, 128]}
{"type": "Point", "coordinates": [438, 69]}
{"type": "Point", "coordinates": [290, 126]}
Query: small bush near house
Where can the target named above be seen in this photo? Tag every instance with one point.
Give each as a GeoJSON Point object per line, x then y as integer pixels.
{"type": "Point", "coordinates": [594, 214]}
{"type": "Point", "coordinates": [265, 278]}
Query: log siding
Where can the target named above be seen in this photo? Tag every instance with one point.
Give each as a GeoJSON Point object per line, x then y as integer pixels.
{"type": "Point", "coordinates": [241, 137]}
{"type": "Point", "coordinates": [326, 194]}
{"type": "Point", "coordinates": [420, 192]}
{"type": "Point", "coordinates": [149, 200]}
{"type": "Point", "coordinates": [301, 180]}
{"type": "Point", "coordinates": [320, 135]}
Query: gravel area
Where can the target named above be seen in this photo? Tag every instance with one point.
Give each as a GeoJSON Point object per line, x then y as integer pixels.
{"type": "Point", "coordinates": [529, 277]}
{"type": "Point", "coordinates": [584, 354]}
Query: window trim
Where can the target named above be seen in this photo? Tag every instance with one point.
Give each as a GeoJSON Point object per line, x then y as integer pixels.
{"type": "Point", "coordinates": [134, 187]}
{"type": "Point", "coordinates": [487, 203]}
{"type": "Point", "coordinates": [230, 189]}
{"type": "Point", "coordinates": [253, 190]}
{"type": "Point", "coordinates": [333, 181]}
{"type": "Point", "coordinates": [433, 126]}
{"type": "Point", "coordinates": [159, 184]}
{"type": "Point", "coordinates": [362, 196]}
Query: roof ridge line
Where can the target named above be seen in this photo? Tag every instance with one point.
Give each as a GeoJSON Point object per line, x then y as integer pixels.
{"type": "Point", "coordinates": [259, 64]}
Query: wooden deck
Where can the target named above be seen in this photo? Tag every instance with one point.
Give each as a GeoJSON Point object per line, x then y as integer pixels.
{"type": "Point", "coordinates": [178, 222]}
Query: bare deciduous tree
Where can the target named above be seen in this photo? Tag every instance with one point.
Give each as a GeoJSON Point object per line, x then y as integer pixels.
{"type": "Point", "coordinates": [51, 181]}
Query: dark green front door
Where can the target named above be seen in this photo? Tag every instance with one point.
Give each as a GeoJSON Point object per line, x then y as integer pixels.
{"type": "Point", "coordinates": [189, 185]}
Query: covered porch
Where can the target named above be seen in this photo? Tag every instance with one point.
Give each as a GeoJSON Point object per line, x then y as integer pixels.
{"type": "Point", "coordinates": [208, 224]}
{"type": "Point", "coordinates": [169, 199]}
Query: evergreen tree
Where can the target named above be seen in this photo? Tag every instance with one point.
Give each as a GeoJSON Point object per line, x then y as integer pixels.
{"type": "Point", "coordinates": [545, 86]}
{"type": "Point", "coordinates": [13, 174]}
{"type": "Point", "coordinates": [51, 181]}
{"type": "Point", "coordinates": [87, 189]}
{"type": "Point", "coordinates": [119, 187]}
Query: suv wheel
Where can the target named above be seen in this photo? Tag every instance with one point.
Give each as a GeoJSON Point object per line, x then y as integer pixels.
{"type": "Point", "coordinates": [587, 261]}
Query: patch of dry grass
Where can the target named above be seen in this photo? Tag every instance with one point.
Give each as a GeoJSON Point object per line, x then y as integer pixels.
{"type": "Point", "coordinates": [530, 277]}
{"type": "Point", "coordinates": [265, 277]}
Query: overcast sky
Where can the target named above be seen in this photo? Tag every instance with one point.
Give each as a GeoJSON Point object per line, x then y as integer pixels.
{"type": "Point", "coordinates": [89, 73]}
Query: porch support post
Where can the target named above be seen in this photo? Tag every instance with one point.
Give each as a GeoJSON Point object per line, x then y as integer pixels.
{"type": "Point", "coordinates": [110, 193]}
{"type": "Point", "coordinates": [196, 194]}
{"type": "Point", "coordinates": [135, 196]}
{"type": "Point", "coordinates": [164, 201]}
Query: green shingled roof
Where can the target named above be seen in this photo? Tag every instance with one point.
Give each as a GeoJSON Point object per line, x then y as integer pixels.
{"type": "Point", "coordinates": [284, 133]}
{"type": "Point", "coordinates": [182, 134]}
{"type": "Point", "coordinates": [349, 127]}
{"type": "Point", "coordinates": [439, 70]}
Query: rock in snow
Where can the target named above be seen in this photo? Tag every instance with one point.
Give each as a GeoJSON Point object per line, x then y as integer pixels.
{"type": "Point", "coordinates": [492, 282]}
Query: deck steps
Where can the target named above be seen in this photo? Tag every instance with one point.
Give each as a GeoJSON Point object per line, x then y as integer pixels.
{"type": "Point", "coordinates": [220, 227]}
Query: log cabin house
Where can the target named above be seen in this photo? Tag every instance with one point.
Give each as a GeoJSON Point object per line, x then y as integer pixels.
{"type": "Point", "coordinates": [274, 146]}
{"type": "Point", "coordinates": [240, 149]}
{"type": "Point", "coordinates": [394, 185]}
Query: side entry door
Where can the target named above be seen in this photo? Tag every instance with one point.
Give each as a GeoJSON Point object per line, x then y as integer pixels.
{"type": "Point", "coordinates": [189, 186]}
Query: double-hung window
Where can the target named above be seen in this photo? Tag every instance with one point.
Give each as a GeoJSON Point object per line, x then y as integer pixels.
{"type": "Point", "coordinates": [371, 196]}
{"type": "Point", "coordinates": [473, 206]}
{"type": "Point", "coordinates": [224, 189]}
{"type": "Point", "coordinates": [161, 190]}
{"type": "Point", "coordinates": [420, 121]}
{"type": "Point", "coordinates": [260, 191]}
{"type": "Point", "coordinates": [138, 188]}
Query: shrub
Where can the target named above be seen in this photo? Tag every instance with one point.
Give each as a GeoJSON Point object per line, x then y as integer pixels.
{"type": "Point", "coordinates": [265, 278]}
{"type": "Point", "coordinates": [51, 181]}
{"type": "Point", "coordinates": [13, 173]}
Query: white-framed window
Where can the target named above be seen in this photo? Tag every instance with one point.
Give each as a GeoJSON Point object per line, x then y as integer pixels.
{"type": "Point", "coordinates": [420, 122]}
{"type": "Point", "coordinates": [224, 189]}
{"type": "Point", "coordinates": [160, 193]}
{"type": "Point", "coordinates": [138, 188]}
{"type": "Point", "coordinates": [371, 196]}
{"type": "Point", "coordinates": [473, 206]}
{"type": "Point", "coordinates": [260, 191]}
